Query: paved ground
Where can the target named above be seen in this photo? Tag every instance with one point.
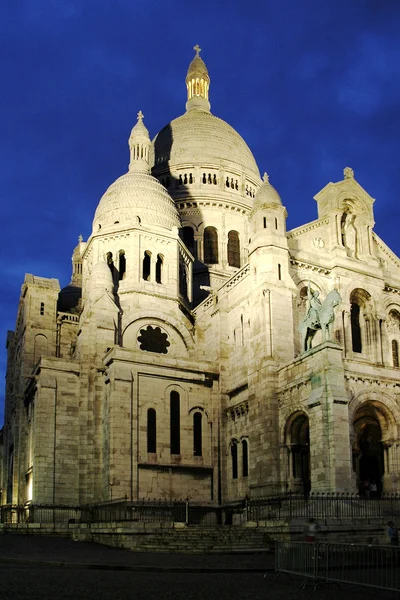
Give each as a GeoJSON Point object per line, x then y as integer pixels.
{"type": "Point", "coordinates": [38, 568]}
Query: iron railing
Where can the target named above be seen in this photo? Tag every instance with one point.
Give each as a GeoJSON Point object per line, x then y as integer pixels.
{"type": "Point", "coordinates": [322, 506]}
{"type": "Point", "coordinates": [372, 566]}
{"type": "Point", "coordinates": [282, 507]}
{"type": "Point", "coordinates": [121, 510]}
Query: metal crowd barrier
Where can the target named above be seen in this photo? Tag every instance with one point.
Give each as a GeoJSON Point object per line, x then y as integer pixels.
{"type": "Point", "coordinates": [372, 566]}
{"type": "Point", "coordinates": [322, 506]}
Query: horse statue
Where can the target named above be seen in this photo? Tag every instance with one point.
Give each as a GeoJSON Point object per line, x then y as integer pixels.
{"type": "Point", "coordinates": [320, 316]}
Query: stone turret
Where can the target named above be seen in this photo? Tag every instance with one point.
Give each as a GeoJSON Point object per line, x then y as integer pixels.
{"type": "Point", "coordinates": [268, 231]}
{"type": "Point", "coordinates": [139, 146]}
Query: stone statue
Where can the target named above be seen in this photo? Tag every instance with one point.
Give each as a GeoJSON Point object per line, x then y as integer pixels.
{"type": "Point", "coordinates": [349, 233]}
{"type": "Point", "coordinates": [319, 315]}
{"type": "Point", "coordinates": [314, 305]}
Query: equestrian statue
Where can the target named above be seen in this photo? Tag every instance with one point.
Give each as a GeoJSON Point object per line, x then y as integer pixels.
{"type": "Point", "coordinates": [319, 316]}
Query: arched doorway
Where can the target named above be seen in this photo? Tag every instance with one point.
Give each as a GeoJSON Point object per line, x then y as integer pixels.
{"type": "Point", "coordinates": [297, 438]}
{"type": "Point", "coordinates": [371, 427]}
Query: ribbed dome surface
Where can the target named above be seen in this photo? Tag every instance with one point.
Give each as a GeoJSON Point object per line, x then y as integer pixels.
{"type": "Point", "coordinates": [135, 195]}
{"type": "Point", "coordinates": [200, 138]}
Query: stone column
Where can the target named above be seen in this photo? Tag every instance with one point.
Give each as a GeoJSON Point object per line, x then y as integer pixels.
{"type": "Point", "coordinates": [120, 475]}
{"type": "Point", "coordinates": [330, 450]}
{"type": "Point", "coordinates": [347, 333]}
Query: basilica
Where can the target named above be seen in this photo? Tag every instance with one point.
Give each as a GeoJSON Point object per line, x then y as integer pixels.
{"type": "Point", "coordinates": [201, 350]}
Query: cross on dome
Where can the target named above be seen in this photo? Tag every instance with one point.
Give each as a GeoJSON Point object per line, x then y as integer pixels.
{"type": "Point", "coordinates": [140, 116]}
{"type": "Point", "coordinates": [197, 49]}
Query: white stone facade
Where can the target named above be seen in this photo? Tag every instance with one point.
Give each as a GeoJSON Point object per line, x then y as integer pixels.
{"type": "Point", "coordinates": [172, 365]}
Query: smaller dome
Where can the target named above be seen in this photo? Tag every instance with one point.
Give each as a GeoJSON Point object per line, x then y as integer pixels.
{"type": "Point", "coordinates": [266, 194]}
{"type": "Point", "coordinates": [68, 299]}
{"type": "Point", "coordinates": [70, 295]}
{"type": "Point", "coordinates": [136, 196]}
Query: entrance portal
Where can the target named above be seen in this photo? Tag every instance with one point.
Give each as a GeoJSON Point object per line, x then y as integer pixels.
{"type": "Point", "coordinates": [298, 445]}
{"type": "Point", "coordinates": [368, 455]}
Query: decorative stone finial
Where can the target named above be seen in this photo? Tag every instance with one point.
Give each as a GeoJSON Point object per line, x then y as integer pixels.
{"type": "Point", "coordinates": [348, 173]}
{"type": "Point", "coordinates": [266, 178]}
{"type": "Point", "coordinates": [197, 49]}
{"type": "Point", "coordinates": [140, 116]}
{"type": "Point", "coordinates": [80, 238]}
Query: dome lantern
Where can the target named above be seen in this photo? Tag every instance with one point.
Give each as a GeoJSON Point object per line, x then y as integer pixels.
{"type": "Point", "coordinates": [197, 84]}
{"type": "Point", "coordinates": [139, 145]}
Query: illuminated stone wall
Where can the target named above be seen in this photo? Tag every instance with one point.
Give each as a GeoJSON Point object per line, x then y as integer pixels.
{"type": "Point", "coordinates": [148, 327]}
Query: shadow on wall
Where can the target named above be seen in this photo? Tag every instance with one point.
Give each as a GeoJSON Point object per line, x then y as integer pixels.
{"type": "Point", "coordinates": [180, 190]}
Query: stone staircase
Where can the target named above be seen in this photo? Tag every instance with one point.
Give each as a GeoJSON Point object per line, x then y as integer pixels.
{"type": "Point", "coordinates": [192, 539]}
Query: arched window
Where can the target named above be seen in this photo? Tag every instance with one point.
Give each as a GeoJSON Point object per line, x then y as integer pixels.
{"type": "Point", "coordinates": [279, 272]}
{"type": "Point", "coordinates": [122, 265]}
{"type": "Point", "coordinates": [210, 246]}
{"type": "Point", "coordinates": [233, 249]}
{"type": "Point", "coordinates": [175, 425]}
{"type": "Point", "coordinates": [395, 353]}
{"type": "Point", "coordinates": [40, 347]}
{"type": "Point", "coordinates": [265, 222]}
{"type": "Point", "coordinates": [146, 265]}
{"type": "Point", "coordinates": [197, 434]}
{"type": "Point", "coordinates": [159, 268]}
{"type": "Point", "coordinates": [234, 457]}
{"type": "Point", "coordinates": [151, 431]}
{"type": "Point", "coordinates": [188, 239]}
{"type": "Point", "coordinates": [183, 283]}
{"type": "Point", "coordinates": [110, 262]}
{"type": "Point", "coordinates": [245, 458]}
{"type": "Point", "coordinates": [355, 327]}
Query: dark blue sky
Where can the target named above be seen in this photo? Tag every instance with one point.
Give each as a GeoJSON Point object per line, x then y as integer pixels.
{"type": "Point", "coordinates": [311, 85]}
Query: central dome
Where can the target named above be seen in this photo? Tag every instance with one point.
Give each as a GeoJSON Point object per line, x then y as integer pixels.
{"type": "Point", "coordinates": [200, 138]}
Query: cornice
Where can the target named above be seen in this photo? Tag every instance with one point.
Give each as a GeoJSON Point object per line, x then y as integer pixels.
{"type": "Point", "coordinates": [297, 264]}
{"type": "Point", "coordinates": [309, 227]}
{"type": "Point", "coordinates": [190, 208]}
{"type": "Point", "coordinates": [383, 248]}
{"type": "Point", "coordinates": [391, 290]}
{"type": "Point", "coordinates": [360, 378]}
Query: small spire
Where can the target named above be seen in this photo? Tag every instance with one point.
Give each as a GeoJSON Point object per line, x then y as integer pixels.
{"type": "Point", "coordinates": [197, 83]}
{"type": "Point", "coordinates": [80, 238]}
{"type": "Point", "coordinates": [139, 144]}
{"type": "Point", "coordinates": [266, 178]}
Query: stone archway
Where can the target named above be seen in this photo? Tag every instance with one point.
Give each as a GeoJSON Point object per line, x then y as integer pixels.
{"type": "Point", "coordinates": [371, 425]}
{"type": "Point", "coordinates": [297, 439]}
